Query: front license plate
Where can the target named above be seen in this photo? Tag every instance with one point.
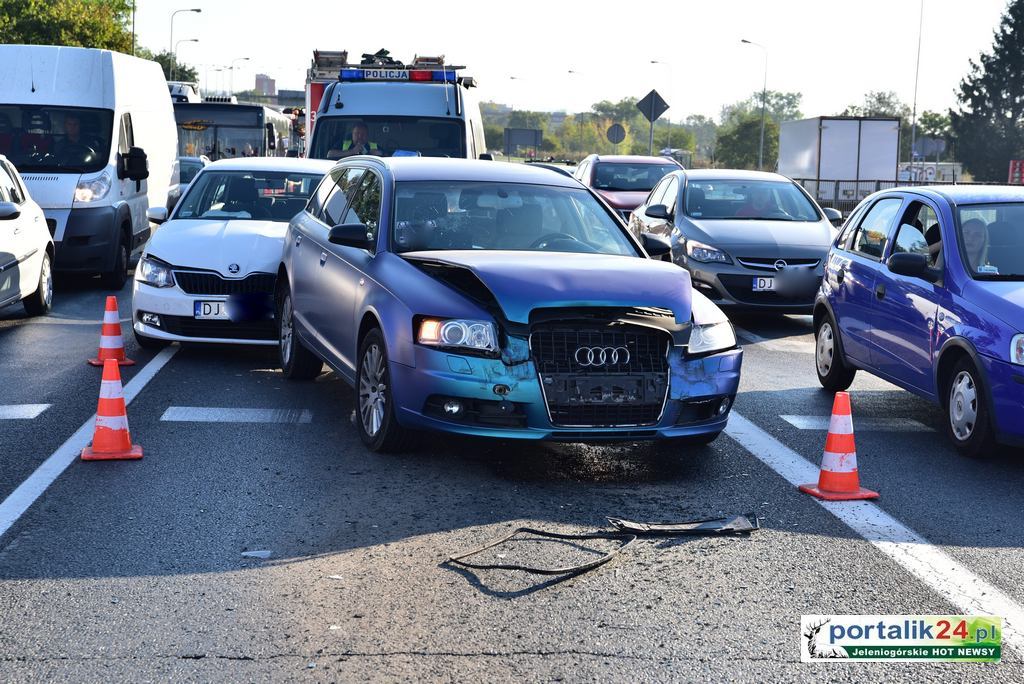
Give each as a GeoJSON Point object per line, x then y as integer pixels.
{"type": "Point", "coordinates": [764, 284]}
{"type": "Point", "coordinates": [211, 311]}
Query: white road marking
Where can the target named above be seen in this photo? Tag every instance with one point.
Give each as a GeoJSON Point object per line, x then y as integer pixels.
{"type": "Point", "coordinates": [52, 320]}
{"type": "Point", "coordinates": [945, 575]}
{"type": "Point", "coordinates": [21, 411]}
{"type": "Point", "coordinates": [202, 414]}
{"type": "Point", "coordinates": [866, 424]}
{"type": "Point", "coordinates": [31, 489]}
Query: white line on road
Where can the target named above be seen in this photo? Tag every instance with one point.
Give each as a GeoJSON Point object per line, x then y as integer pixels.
{"type": "Point", "coordinates": [31, 489]}
{"type": "Point", "coordinates": [21, 411]}
{"type": "Point", "coordinates": [203, 414]}
{"type": "Point", "coordinates": [51, 320]}
{"type": "Point", "coordinates": [865, 424]}
{"type": "Point", "coordinates": [945, 575]}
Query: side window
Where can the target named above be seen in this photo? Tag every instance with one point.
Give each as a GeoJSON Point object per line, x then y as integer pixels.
{"type": "Point", "coordinates": [581, 171]}
{"type": "Point", "coordinates": [671, 195]}
{"type": "Point", "coordinates": [873, 231]}
{"type": "Point", "coordinates": [9, 188]}
{"type": "Point", "coordinates": [320, 195]}
{"type": "Point", "coordinates": [126, 138]}
{"type": "Point", "coordinates": [334, 206]}
{"type": "Point", "coordinates": [919, 233]}
{"type": "Point", "coordinates": [657, 193]}
{"type": "Point", "coordinates": [847, 232]}
{"type": "Point", "coordinates": [366, 207]}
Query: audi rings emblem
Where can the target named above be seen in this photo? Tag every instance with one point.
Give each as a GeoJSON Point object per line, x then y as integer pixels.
{"type": "Point", "coordinates": [781, 265]}
{"type": "Point", "coordinates": [594, 357]}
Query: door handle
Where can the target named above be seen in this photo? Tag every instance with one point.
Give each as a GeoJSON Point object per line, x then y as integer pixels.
{"type": "Point", "coordinates": [298, 240]}
{"type": "Point", "coordinates": [880, 291]}
{"type": "Point", "coordinates": [323, 258]}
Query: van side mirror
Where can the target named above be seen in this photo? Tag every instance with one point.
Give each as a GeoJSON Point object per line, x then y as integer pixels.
{"type": "Point", "coordinates": [486, 156]}
{"type": "Point", "coordinates": [271, 137]}
{"type": "Point", "coordinates": [658, 211]}
{"type": "Point", "coordinates": [9, 211]}
{"type": "Point", "coordinates": [134, 165]}
{"type": "Point", "coordinates": [157, 215]}
{"type": "Point", "coordinates": [655, 245]}
{"type": "Point", "coordinates": [351, 235]}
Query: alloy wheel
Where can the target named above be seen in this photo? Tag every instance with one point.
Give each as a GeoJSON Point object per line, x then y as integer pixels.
{"type": "Point", "coordinates": [963, 406]}
{"type": "Point", "coordinates": [46, 282]}
{"type": "Point", "coordinates": [372, 390]}
{"type": "Point", "coordinates": [286, 329]}
{"type": "Point", "coordinates": [825, 350]}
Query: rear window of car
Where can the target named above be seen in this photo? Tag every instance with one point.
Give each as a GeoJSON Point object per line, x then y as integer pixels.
{"type": "Point", "coordinates": [636, 177]}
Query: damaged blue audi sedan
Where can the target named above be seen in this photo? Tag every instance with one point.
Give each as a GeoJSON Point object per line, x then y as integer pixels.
{"type": "Point", "coordinates": [496, 300]}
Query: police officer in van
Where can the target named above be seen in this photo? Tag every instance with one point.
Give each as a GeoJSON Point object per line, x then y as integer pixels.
{"type": "Point", "coordinates": [358, 144]}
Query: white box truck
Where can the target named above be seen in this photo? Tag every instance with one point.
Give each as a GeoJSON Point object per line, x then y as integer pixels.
{"type": "Point", "coordinates": [840, 159]}
{"type": "Point", "coordinates": [92, 133]}
{"type": "Point", "coordinates": [387, 108]}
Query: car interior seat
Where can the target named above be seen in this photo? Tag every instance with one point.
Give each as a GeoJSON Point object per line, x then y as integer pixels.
{"type": "Point", "coordinates": [933, 236]}
{"type": "Point", "coordinates": [695, 199]}
{"type": "Point", "coordinates": [242, 196]}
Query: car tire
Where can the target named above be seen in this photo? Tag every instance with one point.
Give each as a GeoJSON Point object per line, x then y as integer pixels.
{"type": "Point", "coordinates": [39, 302]}
{"type": "Point", "coordinates": [297, 361]}
{"type": "Point", "coordinates": [833, 373]}
{"type": "Point", "coordinates": [968, 422]}
{"type": "Point", "coordinates": [151, 343]}
{"type": "Point", "coordinates": [116, 278]}
{"type": "Point", "coordinates": [375, 405]}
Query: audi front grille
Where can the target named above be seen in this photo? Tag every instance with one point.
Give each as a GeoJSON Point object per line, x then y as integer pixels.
{"type": "Point", "coordinates": [611, 375]}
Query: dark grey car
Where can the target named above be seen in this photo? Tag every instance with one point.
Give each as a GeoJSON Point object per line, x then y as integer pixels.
{"type": "Point", "coordinates": [749, 239]}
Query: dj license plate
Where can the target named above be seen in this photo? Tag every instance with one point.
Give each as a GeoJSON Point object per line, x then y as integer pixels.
{"type": "Point", "coordinates": [211, 311]}
{"type": "Point", "coordinates": [764, 284]}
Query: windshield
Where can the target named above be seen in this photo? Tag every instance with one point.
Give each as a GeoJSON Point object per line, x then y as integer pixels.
{"type": "Point", "coordinates": [243, 195]}
{"type": "Point", "coordinates": [466, 215]}
{"type": "Point", "coordinates": [748, 200]}
{"type": "Point", "coordinates": [336, 137]}
{"type": "Point", "coordinates": [47, 139]}
{"type": "Point", "coordinates": [630, 177]}
{"type": "Point", "coordinates": [991, 238]}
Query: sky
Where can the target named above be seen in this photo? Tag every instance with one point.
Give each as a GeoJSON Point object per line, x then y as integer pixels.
{"type": "Point", "coordinates": [522, 53]}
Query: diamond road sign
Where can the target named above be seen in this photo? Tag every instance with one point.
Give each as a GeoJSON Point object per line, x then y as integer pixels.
{"type": "Point", "coordinates": [652, 106]}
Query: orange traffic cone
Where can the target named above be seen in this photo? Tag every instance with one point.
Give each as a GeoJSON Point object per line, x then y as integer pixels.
{"type": "Point", "coordinates": [111, 342]}
{"type": "Point", "coordinates": [110, 440]}
{"type": "Point", "coordinates": [838, 479]}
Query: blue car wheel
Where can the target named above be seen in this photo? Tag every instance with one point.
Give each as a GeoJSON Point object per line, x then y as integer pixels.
{"type": "Point", "coordinates": [833, 373]}
{"type": "Point", "coordinates": [375, 405]}
{"type": "Point", "coordinates": [967, 412]}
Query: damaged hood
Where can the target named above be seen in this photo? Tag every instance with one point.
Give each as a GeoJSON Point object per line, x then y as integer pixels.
{"type": "Point", "coordinates": [523, 281]}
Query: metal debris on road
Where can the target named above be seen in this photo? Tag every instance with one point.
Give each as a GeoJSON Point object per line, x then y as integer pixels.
{"type": "Point", "coordinates": [263, 555]}
{"type": "Point", "coordinates": [627, 539]}
{"type": "Point", "coordinates": [734, 524]}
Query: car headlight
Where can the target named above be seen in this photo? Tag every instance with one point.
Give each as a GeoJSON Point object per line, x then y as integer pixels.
{"type": "Point", "coordinates": [698, 251]}
{"type": "Point", "coordinates": [458, 333]}
{"type": "Point", "coordinates": [712, 337]}
{"type": "Point", "coordinates": [1017, 350]}
{"type": "Point", "coordinates": [155, 273]}
{"type": "Point", "coordinates": [93, 189]}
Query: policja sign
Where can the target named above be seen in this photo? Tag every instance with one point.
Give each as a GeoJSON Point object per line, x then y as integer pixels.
{"type": "Point", "coordinates": [652, 107]}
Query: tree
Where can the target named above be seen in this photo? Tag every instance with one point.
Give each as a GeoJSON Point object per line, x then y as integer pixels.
{"type": "Point", "coordinates": [80, 23]}
{"type": "Point", "coordinates": [181, 72]}
{"type": "Point", "coordinates": [494, 136]}
{"type": "Point", "coordinates": [526, 119]}
{"type": "Point", "coordinates": [738, 145]}
{"type": "Point", "coordinates": [989, 124]}
{"type": "Point", "coordinates": [705, 134]}
{"type": "Point", "coordinates": [779, 107]}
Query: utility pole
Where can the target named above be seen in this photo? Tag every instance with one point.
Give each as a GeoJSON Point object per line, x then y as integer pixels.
{"type": "Point", "coordinates": [917, 72]}
{"type": "Point", "coordinates": [764, 102]}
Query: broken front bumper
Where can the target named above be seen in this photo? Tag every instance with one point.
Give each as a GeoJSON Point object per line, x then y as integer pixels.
{"type": "Point", "coordinates": [503, 398]}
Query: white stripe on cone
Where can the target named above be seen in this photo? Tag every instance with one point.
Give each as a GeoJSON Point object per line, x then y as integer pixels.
{"type": "Point", "coordinates": [112, 422]}
{"type": "Point", "coordinates": [111, 342]}
{"type": "Point", "coordinates": [841, 425]}
{"type": "Point", "coordinates": [839, 463]}
{"type": "Point", "coordinates": [111, 317]}
{"type": "Point", "coordinates": [111, 389]}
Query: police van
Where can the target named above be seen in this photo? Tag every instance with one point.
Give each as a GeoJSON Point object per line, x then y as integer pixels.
{"type": "Point", "coordinates": [386, 108]}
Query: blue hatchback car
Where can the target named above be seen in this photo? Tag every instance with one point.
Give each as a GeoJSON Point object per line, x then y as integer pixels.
{"type": "Point", "coordinates": [498, 300]}
{"type": "Point", "coordinates": [924, 287]}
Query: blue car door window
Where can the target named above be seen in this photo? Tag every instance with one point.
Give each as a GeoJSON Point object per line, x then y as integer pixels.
{"type": "Point", "coordinates": [366, 206]}
{"type": "Point", "coordinates": [874, 229]}
{"type": "Point", "coordinates": [905, 307]}
{"type": "Point", "coordinates": [334, 209]}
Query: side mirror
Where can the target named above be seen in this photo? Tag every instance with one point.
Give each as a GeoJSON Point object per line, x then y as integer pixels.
{"type": "Point", "coordinates": [834, 216]}
{"type": "Point", "coordinates": [486, 156]}
{"type": "Point", "coordinates": [351, 235]}
{"type": "Point", "coordinates": [157, 215]}
{"type": "Point", "coordinates": [655, 245]}
{"type": "Point", "coordinates": [911, 265]}
{"type": "Point", "coordinates": [9, 211]}
{"type": "Point", "coordinates": [134, 165]}
{"type": "Point", "coordinates": [271, 137]}
{"type": "Point", "coordinates": [658, 211]}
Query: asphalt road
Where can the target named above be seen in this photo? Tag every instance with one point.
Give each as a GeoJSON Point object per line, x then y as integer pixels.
{"type": "Point", "coordinates": [134, 570]}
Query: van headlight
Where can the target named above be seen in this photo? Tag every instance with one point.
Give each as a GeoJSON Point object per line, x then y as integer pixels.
{"type": "Point", "coordinates": [712, 337]}
{"type": "Point", "coordinates": [154, 272]}
{"type": "Point", "coordinates": [458, 333]}
{"type": "Point", "coordinates": [93, 189]}
{"type": "Point", "coordinates": [698, 251]}
{"type": "Point", "coordinates": [1017, 350]}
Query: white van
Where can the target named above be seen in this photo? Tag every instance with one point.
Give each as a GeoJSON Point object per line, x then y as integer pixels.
{"type": "Point", "coordinates": [92, 132]}
{"type": "Point", "coordinates": [426, 108]}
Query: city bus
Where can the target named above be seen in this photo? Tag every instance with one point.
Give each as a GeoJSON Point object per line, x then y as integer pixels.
{"type": "Point", "coordinates": [222, 130]}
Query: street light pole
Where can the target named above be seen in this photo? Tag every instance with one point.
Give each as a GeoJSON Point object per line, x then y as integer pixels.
{"type": "Point", "coordinates": [917, 72]}
{"type": "Point", "coordinates": [231, 89]}
{"type": "Point", "coordinates": [170, 43]}
{"type": "Point", "coordinates": [174, 64]}
{"type": "Point", "coordinates": [764, 102]}
{"type": "Point", "coordinates": [672, 90]}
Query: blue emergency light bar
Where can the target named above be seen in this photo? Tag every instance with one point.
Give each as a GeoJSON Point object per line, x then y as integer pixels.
{"type": "Point", "coordinates": [385, 74]}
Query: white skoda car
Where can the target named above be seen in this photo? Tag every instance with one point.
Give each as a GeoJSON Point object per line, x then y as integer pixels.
{"type": "Point", "coordinates": [208, 273]}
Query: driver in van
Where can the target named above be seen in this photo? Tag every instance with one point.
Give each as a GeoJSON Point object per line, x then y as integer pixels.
{"type": "Point", "coordinates": [72, 142]}
{"type": "Point", "coordinates": [358, 144]}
